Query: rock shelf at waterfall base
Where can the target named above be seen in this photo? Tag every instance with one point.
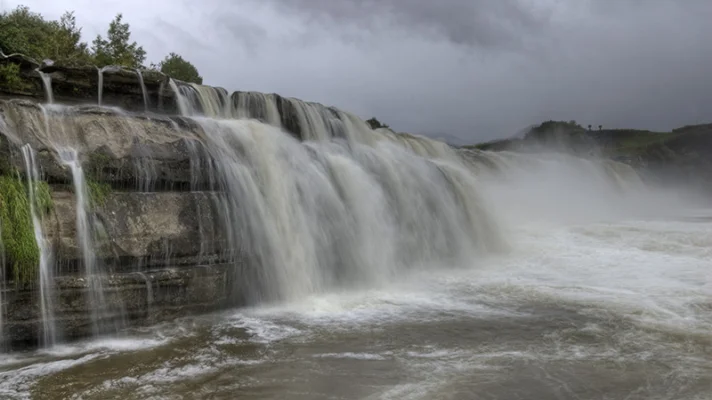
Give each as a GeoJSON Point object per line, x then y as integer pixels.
{"type": "Point", "coordinates": [173, 199]}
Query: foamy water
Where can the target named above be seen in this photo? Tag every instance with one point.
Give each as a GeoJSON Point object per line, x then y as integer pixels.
{"type": "Point", "coordinates": [618, 309]}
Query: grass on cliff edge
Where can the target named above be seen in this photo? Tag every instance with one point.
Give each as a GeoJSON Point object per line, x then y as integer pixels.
{"type": "Point", "coordinates": [18, 237]}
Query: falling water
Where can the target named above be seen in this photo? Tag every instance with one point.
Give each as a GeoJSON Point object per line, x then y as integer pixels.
{"type": "Point", "coordinates": [102, 320]}
{"type": "Point", "coordinates": [323, 214]}
{"type": "Point", "coordinates": [3, 305]}
{"type": "Point", "coordinates": [149, 290]}
{"type": "Point", "coordinates": [109, 68]}
{"type": "Point", "coordinates": [184, 107]}
{"type": "Point", "coordinates": [100, 85]}
{"type": "Point", "coordinates": [312, 120]}
{"type": "Point", "coordinates": [47, 83]}
{"type": "Point", "coordinates": [49, 335]}
{"type": "Point", "coordinates": [258, 106]}
{"type": "Point", "coordinates": [214, 101]}
{"type": "Point", "coordinates": [143, 89]}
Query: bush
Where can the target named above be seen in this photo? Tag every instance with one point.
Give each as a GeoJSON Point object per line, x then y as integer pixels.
{"type": "Point", "coordinates": [10, 77]}
{"type": "Point", "coordinates": [28, 33]}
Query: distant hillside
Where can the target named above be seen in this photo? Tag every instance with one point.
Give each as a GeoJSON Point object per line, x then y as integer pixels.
{"type": "Point", "coordinates": [684, 154]}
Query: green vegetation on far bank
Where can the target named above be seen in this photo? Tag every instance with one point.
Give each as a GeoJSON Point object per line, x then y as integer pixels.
{"type": "Point", "coordinates": [25, 32]}
{"type": "Point", "coordinates": [18, 236]}
{"type": "Point", "coordinates": [608, 142]}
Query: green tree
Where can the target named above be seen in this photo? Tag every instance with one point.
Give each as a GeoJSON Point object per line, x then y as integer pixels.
{"type": "Point", "coordinates": [28, 33]}
{"type": "Point", "coordinates": [116, 49]}
{"type": "Point", "coordinates": [177, 67]}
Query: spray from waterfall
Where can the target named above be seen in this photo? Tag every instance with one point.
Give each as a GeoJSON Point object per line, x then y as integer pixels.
{"type": "Point", "coordinates": [46, 272]}
{"type": "Point", "coordinates": [143, 89]}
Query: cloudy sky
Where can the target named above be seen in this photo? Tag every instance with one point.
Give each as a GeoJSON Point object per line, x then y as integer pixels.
{"type": "Point", "coordinates": [477, 69]}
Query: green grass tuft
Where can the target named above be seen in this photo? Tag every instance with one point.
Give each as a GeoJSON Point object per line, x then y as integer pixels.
{"type": "Point", "coordinates": [18, 236]}
{"type": "Point", "coordinates": [98, 192]}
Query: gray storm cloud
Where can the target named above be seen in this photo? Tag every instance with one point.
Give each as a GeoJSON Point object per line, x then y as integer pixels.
{"type": "Point", "coordinates": [477, 69]}
{"type": "Point", "coordinates": [486, 23]}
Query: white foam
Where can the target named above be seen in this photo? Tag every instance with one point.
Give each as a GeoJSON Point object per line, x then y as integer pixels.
{"type": "Point", "coordinates": [354, 356]}
{"type": "Point", "coordinates": [16, 384]}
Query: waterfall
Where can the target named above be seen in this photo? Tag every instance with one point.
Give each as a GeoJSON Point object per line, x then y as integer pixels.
{"type": "Point", "coordinates": [213, 101]}
{"type": "Point", "coordinates": [3, 287]}
{"type": "Point", "coordinates": [49, 335]}
{"type": "Point", "coordinates": [47, 83]}
{"type": "Point", "coordinates": [103, 320]}
{"type": "Point", "coordinates": [143, 89]}
{"type": "Point", "coordinates": [258, 106]}
{"type": "Point", "coordinates": [312, 120]}
{"type": "Point", "coordinates": [313, 216]}
{"type": "Point", "coordinates": [100, 85]}
{"type": "Point", "coordinates": [149, 290]}
{"type": "Point", "coordinates": [184, 106]}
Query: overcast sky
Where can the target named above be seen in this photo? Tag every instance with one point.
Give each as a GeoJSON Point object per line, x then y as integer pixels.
{"type": "Point", "coordinates": [477, 69]}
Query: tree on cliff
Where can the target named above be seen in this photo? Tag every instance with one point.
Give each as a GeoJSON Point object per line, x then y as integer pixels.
{"type": "Point", "coordinates": [28, 33]}
{"type": "Point", "coordinates": [177, 67]}
{"type": "Point", "coordinates": [116, 49]}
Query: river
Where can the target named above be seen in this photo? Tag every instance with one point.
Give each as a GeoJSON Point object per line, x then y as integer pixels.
{"type": "Point", "coordinates": [614, 308]}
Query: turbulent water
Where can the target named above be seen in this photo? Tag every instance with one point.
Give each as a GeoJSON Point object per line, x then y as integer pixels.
{"type": "Point", "coordinates": [617, 308]}
{"type": "Point", "coordinates": [389, 266]}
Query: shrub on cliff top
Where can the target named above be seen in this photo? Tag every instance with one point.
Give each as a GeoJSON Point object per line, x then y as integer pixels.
{"type": "Point", "coordinates": [28, 33]}
{"type": "Point", "coordinates": [177, 67]}
{"type": "Point", "coordinates": [18, 236]}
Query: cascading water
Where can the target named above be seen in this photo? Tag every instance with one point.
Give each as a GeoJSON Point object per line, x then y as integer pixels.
{"type": "Point", "coordinates": [258, 106]}
{"type": "Point", "coordinates": [309, 217]}
{"type": "Point", "coordinates": [100, 72]}
{"type": "Point", "coordinates": [143, 89]}
{"type": "Point", "coordinates": [312, 120]}
{"type": "Point", "coordinates": [46, 272]}
{"type": "Point", "coordinates": [3, 286]}
{"type": "Point", "coordinates": [47, 83]}
{"type": "Point", "coordinates": [213, 101]}
{"type": "Point", "coordinates": [184, 106]}
{"type": "Point", "coordinates": [103, 315]}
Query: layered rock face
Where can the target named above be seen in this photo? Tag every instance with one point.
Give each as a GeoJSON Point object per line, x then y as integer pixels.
{"type": "Point", "coordinates": [157, 232]}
